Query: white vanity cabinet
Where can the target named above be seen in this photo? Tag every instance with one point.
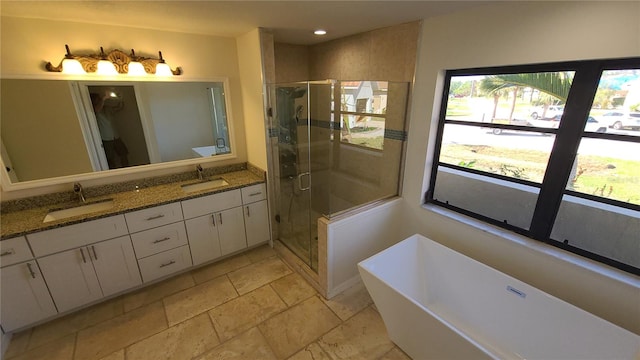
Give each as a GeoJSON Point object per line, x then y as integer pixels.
{"type": "Point", "coordinates": [215, 225]}
{"type": "Point", "coordinates": [24, 295]}
{"type": "Point", "coordinates": [64, 268]}
{"type": "Point", "coordinates": [80, 265]}
{"type": "Point", "coordinates": [256, 214]}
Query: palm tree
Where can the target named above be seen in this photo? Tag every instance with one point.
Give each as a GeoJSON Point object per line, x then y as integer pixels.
{"type": "Point", "coordinates": [556, 84]}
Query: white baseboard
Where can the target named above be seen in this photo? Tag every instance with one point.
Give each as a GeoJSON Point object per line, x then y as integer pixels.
{"type": "Point", "coordinates": [335, 290]}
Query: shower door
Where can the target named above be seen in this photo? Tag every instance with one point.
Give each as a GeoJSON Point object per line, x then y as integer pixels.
{"type": "Point", "coordinates": [302, 115]}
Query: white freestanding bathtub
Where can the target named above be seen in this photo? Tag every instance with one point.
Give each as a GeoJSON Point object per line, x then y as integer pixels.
{"type": "Point", "coordinates": [439, 304]}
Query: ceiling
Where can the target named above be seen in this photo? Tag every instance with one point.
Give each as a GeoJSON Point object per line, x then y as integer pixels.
{"type": "Point", "coordinates": [290, 21]}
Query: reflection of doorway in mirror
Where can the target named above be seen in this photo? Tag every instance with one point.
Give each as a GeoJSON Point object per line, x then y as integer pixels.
{"type": "Point", "coordinates": [218, 113]}
{"type": "Point", "coordinates": [120, 137]}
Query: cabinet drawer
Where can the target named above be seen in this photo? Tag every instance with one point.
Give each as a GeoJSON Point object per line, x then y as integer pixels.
{"type": "Point", "coordinates": [13, 251]}
{"type": "Point", "coordinates": [164, 263]}
{"type": "Point", "coordinates": [159, 239]}
{"type": "Point", "coordinates": [211, 203]}
{"type": "Point", "coordinates": [254, 193]}
{"type": "Point", "coordinates": [153, 217]}
{"type": "Point", "coordinates": [73, 236]}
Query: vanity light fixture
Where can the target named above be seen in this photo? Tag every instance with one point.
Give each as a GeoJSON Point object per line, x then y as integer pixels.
{"type": "Point", "coordinates": [71, 65]}
{"type": "Point", "coordinates": [135, 67]}
{"type": "Point", "coordinates": [320, 32]}
{"type": "Point", "coordinates": [105, 67]}
{"type": "Point", "coordinates": [113, 63]}
{"type": "Point", "coordinates": [162, 69]}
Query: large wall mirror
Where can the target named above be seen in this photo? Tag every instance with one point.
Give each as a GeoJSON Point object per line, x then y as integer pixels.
{"type": "Point", "coordinates": [54, 128]}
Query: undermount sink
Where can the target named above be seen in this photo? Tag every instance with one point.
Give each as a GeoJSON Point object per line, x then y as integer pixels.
{"type": "Point", "coordinates": [204, 185]}
{"type": "Point", "coordinates": [78, 210]}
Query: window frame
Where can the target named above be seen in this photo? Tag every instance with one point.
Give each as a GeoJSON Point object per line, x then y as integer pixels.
{"type": "Point", "coordinates": [564, 151]}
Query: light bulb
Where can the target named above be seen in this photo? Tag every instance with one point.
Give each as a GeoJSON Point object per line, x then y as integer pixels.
{"type": "Point", "coordinates": [72, 66]}
{"type": "Point", "coordinates": [136, 69]}
{"type": "Point", "coordinates": [106, 67]}
{"type": "Point", "coordinates": [163, 69]}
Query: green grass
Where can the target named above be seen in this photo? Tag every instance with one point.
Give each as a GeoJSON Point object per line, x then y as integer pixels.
{"type": "Point", "coordinates": [597, 175]}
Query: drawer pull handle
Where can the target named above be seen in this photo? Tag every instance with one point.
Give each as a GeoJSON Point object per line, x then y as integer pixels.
{"type": "Point", "coordinates": [161, 240]}
{"type": "Point", "coordinates": [33, 273]}
{"type": "Point", "coordinates": [248, 213]}
{"type": "Point", "coordinates": [94, 252]}
{"type": "Point", "coordinates": [213, 217]}
{"type": "Point", "coordinates": [167, 264]}
{"type": "Point", "coordinates": [84, 260]}
{"type": "Point", "coordinates": [8, 252]}
{"type": "Point", "coordinates": [255, 193]}
{"type": "Point", "coordinates": [159, 216]}
{"type": "Point", "coordinates": [220, 215]}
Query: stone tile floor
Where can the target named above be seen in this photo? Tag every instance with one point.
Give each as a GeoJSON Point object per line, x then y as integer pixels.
{"type": "Point", "coordinates": [250, 306]}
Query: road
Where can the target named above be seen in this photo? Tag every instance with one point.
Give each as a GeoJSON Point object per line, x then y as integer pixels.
{"type": "Point", "coordinates": [468, 135]}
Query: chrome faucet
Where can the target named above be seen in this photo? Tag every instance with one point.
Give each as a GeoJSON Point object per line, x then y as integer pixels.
{"type": "Point", "coordinates": [77, 188]}
{"type": "Point", "coordinates": [199, 170]}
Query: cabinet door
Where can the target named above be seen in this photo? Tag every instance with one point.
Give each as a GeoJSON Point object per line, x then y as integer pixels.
{"type": "Point", "coordinates": [25, 298]}
{"type": "Point", "coordinates": [231, 230]}
{"type": "Point", "coordinates": [115, 264]}
{"type": "Point", "coordinates": [203, 238]}
{"type": "Point", "coordinates": [71, 278]}
{"type": "Point", "coordinates": [256, 221]}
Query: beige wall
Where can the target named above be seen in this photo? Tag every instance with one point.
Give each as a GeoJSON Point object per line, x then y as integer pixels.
{"type": "Point", "coordinates": [519, 33]}
{"type": "Point", "coordinates": [250, 63]}
{"type": "Point", "coordinates": [26, 44]}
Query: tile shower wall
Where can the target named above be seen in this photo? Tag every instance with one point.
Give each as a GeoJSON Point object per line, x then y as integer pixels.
{"type": "Point", "coordinates": [383, 54]}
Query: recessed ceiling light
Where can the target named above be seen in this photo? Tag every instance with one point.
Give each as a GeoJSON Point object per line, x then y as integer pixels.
{"type": "Point", "coordinates": [320, 32]}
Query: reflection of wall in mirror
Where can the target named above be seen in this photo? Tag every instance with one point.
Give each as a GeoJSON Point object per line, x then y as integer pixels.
{"type": "Point", "coordinates": [40, 131]}
{"type": "Point", "coordinates": [183, 106]}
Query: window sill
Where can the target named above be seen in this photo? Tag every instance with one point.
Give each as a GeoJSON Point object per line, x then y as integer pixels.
{"type": "Point", "coordinates": [540, 247]}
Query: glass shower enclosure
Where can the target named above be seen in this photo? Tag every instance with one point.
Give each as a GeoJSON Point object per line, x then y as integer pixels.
{"type": "Point", "coordinates": [335, 145]}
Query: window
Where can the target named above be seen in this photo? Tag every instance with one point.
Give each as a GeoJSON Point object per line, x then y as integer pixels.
{"type": "Point", "coordinates": [550, 151]}
{"type": "Point", "coordinates": [363, 107]}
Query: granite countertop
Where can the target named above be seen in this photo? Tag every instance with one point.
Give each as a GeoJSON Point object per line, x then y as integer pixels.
{"type": "Point", "coordinates": [23, 222]}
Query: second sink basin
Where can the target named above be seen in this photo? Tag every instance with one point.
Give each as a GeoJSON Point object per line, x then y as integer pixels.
{"type": "Point", "coordinates": [204, 185]}
{"type": "Point", "coordinates": [78, 210]}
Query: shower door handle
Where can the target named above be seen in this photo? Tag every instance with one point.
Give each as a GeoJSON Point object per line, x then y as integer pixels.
{"type": "Point", "coordinates": [300, 181]}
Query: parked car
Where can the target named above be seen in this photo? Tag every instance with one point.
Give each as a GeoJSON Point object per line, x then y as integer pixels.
{"type": "Point", "coordinates": [633, 121]}
{"type": "Point", "coordinates": [594, 125]}
{"type": "Point", "coordinates": [612, 119]}
{"type": "Point", "coordinates": [619, 120]}
{"type": "Point", "coordinates": [552, 111]}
